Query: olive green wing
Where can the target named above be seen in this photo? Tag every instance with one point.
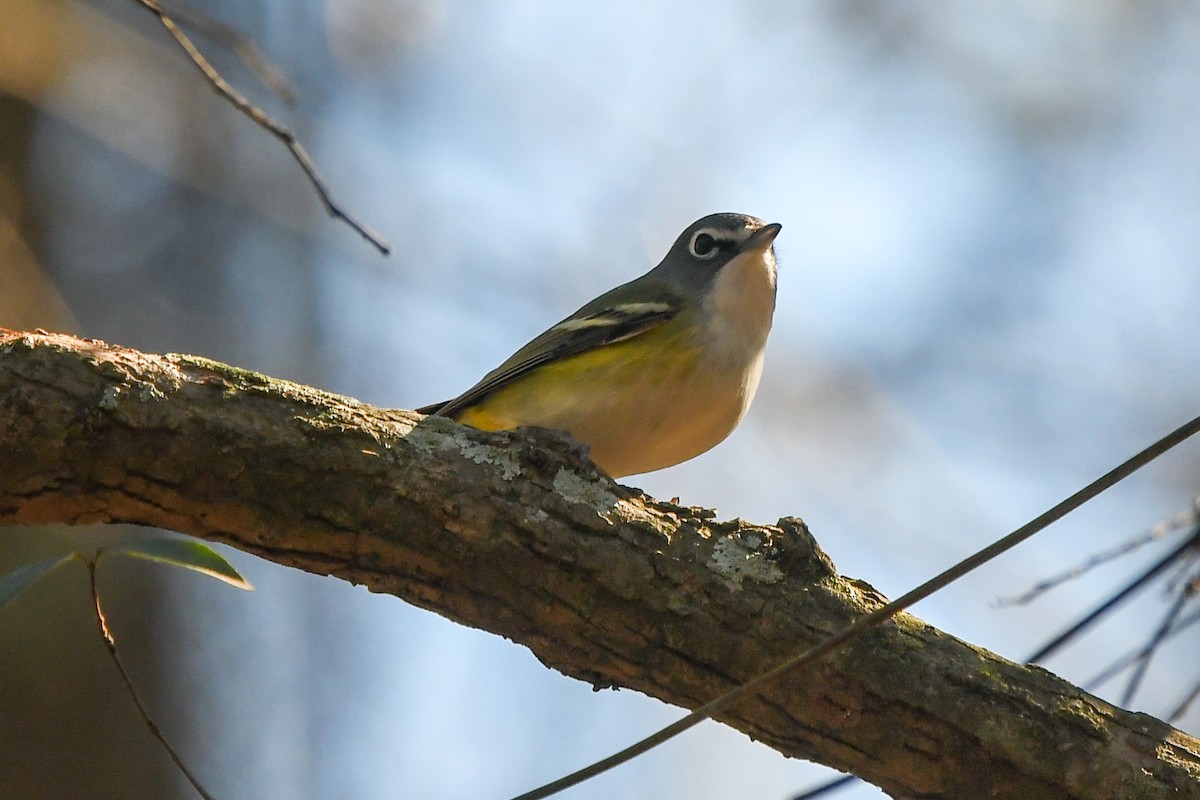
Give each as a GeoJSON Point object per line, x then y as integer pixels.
{"type": "Point", "coordinates": [621, 314]}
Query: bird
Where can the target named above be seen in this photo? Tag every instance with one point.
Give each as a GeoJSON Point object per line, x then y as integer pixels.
{"type": "Point", "coordinates": [651, 373]}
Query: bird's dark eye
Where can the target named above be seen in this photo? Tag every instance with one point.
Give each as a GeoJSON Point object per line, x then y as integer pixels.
{"type": "Point", "coordinates": [703, 245]}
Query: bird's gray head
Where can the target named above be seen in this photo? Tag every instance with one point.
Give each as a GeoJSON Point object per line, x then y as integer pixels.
{"type": "Point", "coordinates": [710, 243]}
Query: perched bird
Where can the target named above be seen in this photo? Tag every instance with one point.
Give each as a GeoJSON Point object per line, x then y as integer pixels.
{"type": "Point", "coordinates": [654, 372]}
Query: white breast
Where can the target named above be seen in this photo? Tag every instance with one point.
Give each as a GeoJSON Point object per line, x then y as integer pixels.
{"type": "Point", "coordinates": [738, 311]}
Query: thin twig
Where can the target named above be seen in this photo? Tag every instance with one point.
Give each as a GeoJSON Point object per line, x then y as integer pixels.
{"type": "Point", "coordinates": [241, 46]}
{"type": "Point", "coordinates": [873, 619]}
{"type": "Point", "coordinates": [1093, 615]}
{"type": "Point", "coordinates": [827, 788]}
{"type": "Point", "coordinates": [1184, 579]}
{"type": "Point", "coordinates": [1151, 647]}
{"type": "Point", "coordinates": [111, 644]}
{"type": "Point", "coordinates": [1158, 531]}
{"type": "Point", "coordinates": [259, 117]}
{"type": "Point", "coordinates": [1123, 663]}
{"type": "Point", "coordinates": [1182, 708]}
{"type": "Point", "coordinates": [1190, 591]}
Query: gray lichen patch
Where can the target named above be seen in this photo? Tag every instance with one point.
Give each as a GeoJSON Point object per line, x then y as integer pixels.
{"type": "Point", "coordinates": [436, 436]}
{"type": "Point", "coordinates": [739, 557]}
{"type": "Point", "coordinates": [501, 457]}
{"type": "Point", "coordinates": [583, 490]}
{"type": "Point", "coordinates": [142, 386]}
{"type": "Point", "coordinates": [108, 400]}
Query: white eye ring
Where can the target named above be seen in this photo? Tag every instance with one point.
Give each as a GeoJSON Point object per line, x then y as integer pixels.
{"type": "Point", "coordinates": [704, 244]}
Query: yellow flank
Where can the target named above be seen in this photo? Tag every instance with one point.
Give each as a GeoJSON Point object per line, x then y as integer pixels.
{"type": "Point", "coordinates": [485, 419]}
{"type": "Point", "coordinates": [588, 380]}
{"type": "Point", "coordinates": [639, 405]}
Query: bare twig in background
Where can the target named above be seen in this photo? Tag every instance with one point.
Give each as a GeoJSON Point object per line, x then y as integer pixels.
{"type": "Point", "coordinates": [1184, 584]}
{"type": "Point", "coordinates": [1161, 529]}
{"type": "Point", "coordinates": [259, 117]}
{"type": "Point", "coordinates": [1133, 586]}
{"type": "Point", "coordinates": [1188, 699]}
{"type": "Point", "coordinates": [827, 788]}
{"type": "Point", "coordinates": [241, 46]}
{"type": "Point", "coordinates": [1124, 662]}
{"type": "Point", "coordinates": [1151, 647]}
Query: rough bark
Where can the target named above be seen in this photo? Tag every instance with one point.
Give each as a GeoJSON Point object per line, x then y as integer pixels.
{"type": "Point", "coordinates": [516, 534]}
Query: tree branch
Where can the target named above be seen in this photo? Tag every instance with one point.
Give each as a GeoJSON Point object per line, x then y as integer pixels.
{"type": "Point", "coordinates": [515, 534]}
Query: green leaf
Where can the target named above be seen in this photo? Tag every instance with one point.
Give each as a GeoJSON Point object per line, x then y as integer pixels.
{"type": "Point", "coordinates": [186, 553]}
{"type": "Point", "coordinates": [21, 578]}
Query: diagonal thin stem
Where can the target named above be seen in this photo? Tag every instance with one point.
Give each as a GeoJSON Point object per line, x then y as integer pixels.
{"type": "Point", "coordinates": [260, 118]}
{"type": "Point", "coordinates": [1152, 646]}
{"type": "Point", "coordinates": [827, 788]}
{"type": "Point", "coordinates": [1184, 704]}
{"type": "Point", "coordinates": [1121, 664]}
{"type": "Point", "coordinates": [241, 46]}
{"type": "Point", "coordinates": [111, 645]}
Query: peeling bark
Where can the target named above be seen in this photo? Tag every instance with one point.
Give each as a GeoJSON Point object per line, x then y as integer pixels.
{"type": "Point", "coordinates": [516, 534]}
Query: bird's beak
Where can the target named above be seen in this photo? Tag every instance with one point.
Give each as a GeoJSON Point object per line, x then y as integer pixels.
{"type": "Point", "coordinates": [762, 238]}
